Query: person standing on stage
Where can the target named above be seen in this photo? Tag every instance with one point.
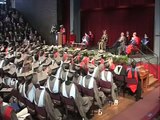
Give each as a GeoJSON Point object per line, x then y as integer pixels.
{"type": "Point", "coordinates": [85, 39]}
{"type": "Point", "coordinates": [63, 32]}
{"type": "Point", "coordinates": [91, 38]}
{"type": "Point", "coordinates": [127, 38]}
{"type": "Point", "coordinates": [55, 32]}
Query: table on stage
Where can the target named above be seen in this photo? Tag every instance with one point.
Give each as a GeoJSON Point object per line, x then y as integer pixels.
{"type": "Point", "coordinates": [79, 45]}
{"type": "Point", "coordinates": [59, 38]}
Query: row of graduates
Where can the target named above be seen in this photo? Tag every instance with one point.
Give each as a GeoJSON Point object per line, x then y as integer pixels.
{"type": "Point", "coordinates": [35, 78]}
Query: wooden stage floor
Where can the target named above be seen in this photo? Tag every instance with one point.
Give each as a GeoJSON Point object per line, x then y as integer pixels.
{"type": "Point", "coordinates": [129, 109]}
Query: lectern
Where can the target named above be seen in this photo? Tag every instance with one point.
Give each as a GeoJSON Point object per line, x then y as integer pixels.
{"type": "Point", "coordinates": [59, 38]}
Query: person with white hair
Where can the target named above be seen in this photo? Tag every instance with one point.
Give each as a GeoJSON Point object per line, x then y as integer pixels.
{"type": "Point", "coordinates": [85, 39]}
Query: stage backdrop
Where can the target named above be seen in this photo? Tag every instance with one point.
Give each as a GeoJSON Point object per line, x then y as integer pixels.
{"type": "Point", "coordinates": [116, 19]}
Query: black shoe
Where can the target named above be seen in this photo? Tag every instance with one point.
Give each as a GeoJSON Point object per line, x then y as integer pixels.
{"type": "Point", "coordinates": [139, 98]}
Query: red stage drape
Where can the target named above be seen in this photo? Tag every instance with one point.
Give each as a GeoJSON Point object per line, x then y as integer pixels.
{"type": "Point", "coordinates": [96, 17]}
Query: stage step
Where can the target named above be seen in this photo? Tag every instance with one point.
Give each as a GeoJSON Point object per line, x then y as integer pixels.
{"type": "Point", "coordinates": [151, 75]}
{"type": "Point", "coordinates": [152, 81]}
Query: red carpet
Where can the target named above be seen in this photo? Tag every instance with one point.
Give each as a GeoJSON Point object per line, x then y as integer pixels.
{"type": "Point", "coordinates": [145, 109]}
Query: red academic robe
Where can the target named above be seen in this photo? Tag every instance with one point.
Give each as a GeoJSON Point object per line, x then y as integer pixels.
{"type": "Point", "coordinates": [112, 67]}
{"type": "Point", "coordinates": [65, 56]}
{"type": "Point", "coordinates": [72, 39]}
{"type": "Point", "coordinates": [138, 42]}
{"type": "Point", "coordinates": [93, 61]}
{"type": "Point", "coordinates": [6, 51]}
{"type": "Point", "coordinates": [131, 47]}
{"type": "Point", "coordinates": [131, 86]}
{"type": "Point", "coordinates": [7, 113]}
{"type": "Point", "coordinates": [56, 54]}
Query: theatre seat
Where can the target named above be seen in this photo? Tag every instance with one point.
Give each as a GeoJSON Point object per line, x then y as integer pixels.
{"type": "Point", "coordinates": [41, 113]}
{"type": "Point", "coordinates": [69, 105]}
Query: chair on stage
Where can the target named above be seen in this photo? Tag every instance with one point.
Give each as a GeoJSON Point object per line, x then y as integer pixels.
{"type": "Point", "coordinates": [41, 113]}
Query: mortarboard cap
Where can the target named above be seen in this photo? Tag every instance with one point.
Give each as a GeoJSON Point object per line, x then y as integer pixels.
{"type": "Point", "coordinates": [20, 75]}
{"type": "Point", "coordinates": [58, 59]}
{"type": "Point", "coordinates": [50, 48]}
{"type": "Point", "coordinates": [77, 66]}
{"type": "Point", "coordinates": [6, 68]}
{"type": "Point", "coordinates": [91, 66]}
{"type": "Point", "coordinates": [12, 69]}
{"type": "Point", "coordinates": [29, 73]}
{"type": "Point", "coordinates": [47, 62]}
{"type": "Point", "coordinates": [18, 60]}
{"type": "Point", "coordinates": [35, 65]}
{"type": "Point", "coordinates": [54, 66]}
{"type": "Point", "coordinates": [42, 59]}
{"type": "Point", "coordinates": [97, 58]}
{"type": "Point", "coordinates": [71, 72]}
{"type": "Point", "coordinates": [66, 62]}
{"type": "Point", "coordinates": [41, 76]}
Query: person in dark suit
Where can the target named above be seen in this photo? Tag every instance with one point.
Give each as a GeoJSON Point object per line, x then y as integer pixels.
{"type": "Point", "coordinates": [144, 42]}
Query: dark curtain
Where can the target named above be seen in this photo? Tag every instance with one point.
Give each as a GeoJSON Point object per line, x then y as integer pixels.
{"type": "Point", "coordinates": [116, 20]}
